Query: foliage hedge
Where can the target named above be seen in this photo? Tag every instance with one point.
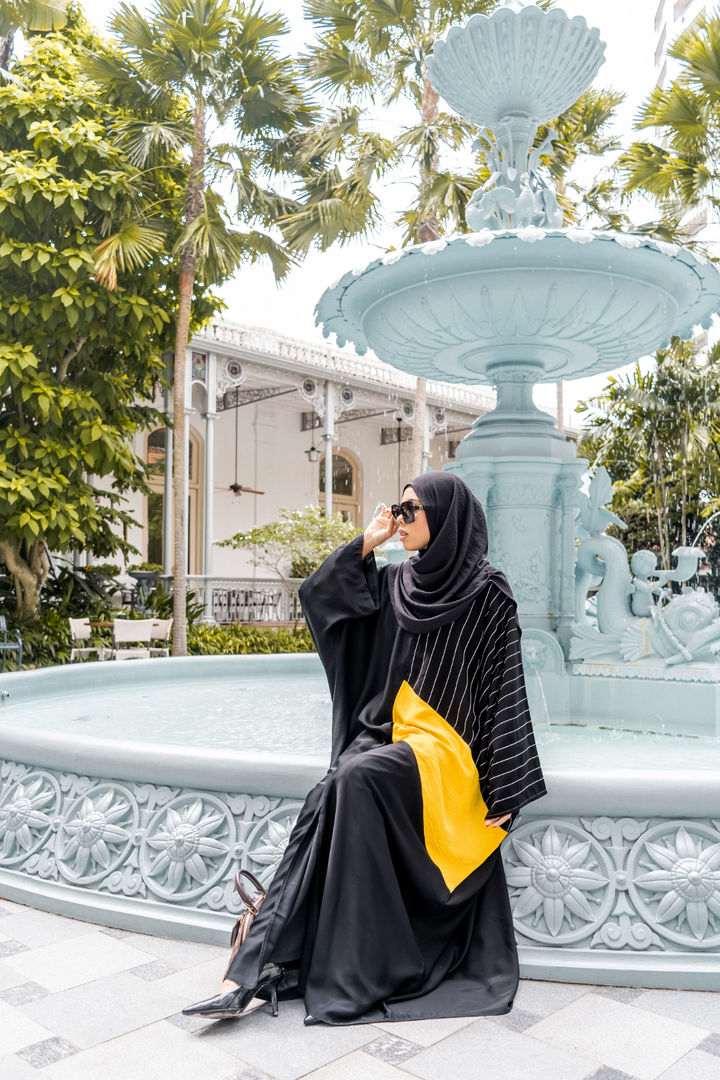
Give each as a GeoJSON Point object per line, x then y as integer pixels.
{"type": "Point", "coordinates": [238, 640]}
{"type": "Point", "coordinates": [47, 641]}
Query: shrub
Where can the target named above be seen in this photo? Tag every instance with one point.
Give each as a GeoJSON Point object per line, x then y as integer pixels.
{"type": "Point", "coordinates": [240, 640]}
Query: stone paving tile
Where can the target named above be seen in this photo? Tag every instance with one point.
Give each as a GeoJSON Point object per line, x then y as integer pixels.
{"type": "Point", "coordinates": [517, 1020]}
{"type": "Point", "coordinates": [391, 1049]}
{"type": "Point", "coordinates": [499, 1053]}
{"type": "Point", "coordinates": [623, 1037]}
{"type": "Point", "coordinates": [113, 931]}
{"type": "Point", "coordinates": [47, 1052]}
{"type": "Point", "coordinates": [250, 1074]}
{"type": "Point", "coordinates": [694, 1066]}
{"type": "Point", "coordinates": [11, 948]}
{"type": "Point", "coordinates": [199, 982]}
{"type": "Point", "coordinates": [9, 977]}
{"type": "Point", "coordinates": [609, 1074]}
{"type": "Point", "coordinates": [156, 969]}
{"type": "Point", "coordinates": [14, 1068]}
{"type": "Point", "coordinates": [190, 1023]}
{"type": "Point", "coordinates": [38, 928]}
{"type": "Point", "coordinates": [105, 1009]}
{"type": "Point", "coordinates": [76, 961]}
{"type": "Point", "coordinates": [625, 994]}
{"type": "Point", "coordinates": [544, 998]}
{"type": "Point", "coordinates": [156, 1052]}
{"type": "Point", "coordinates": [359, 1066]}
{"type": "Point", "coordinates": [4, 911]}
{"type": "Point", "coordinates": [17, 1031]}
{"type": "Point", "coordinates": [692, 1006]}
{"type": "Point", "coordinates": [711, 1045]}
{"type": "Point", "coordinates": [426, 1032]}
{"type": "Point", "coordinates": [281, 1045]}
{"type": "Point", "coordinates": [23, 994]}
{"type": "Point", "coordinates": [181, 954]}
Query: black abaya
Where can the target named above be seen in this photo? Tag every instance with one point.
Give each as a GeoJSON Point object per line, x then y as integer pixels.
{"type": "Point", "coordinates": [390, 902]}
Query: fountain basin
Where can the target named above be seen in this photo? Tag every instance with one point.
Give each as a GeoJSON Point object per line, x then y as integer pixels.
{"type": "Point", "coordinates": [559, 304]}
{"type": "Point", "coordinates": [92, 823]}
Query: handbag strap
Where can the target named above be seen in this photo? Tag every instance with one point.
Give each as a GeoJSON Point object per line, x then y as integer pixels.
{"type": "Point", "coordinates": [253, 903]}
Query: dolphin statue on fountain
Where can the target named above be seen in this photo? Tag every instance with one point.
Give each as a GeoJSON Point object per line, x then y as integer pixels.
{"type": "Point", "coordinates": [639, 620]}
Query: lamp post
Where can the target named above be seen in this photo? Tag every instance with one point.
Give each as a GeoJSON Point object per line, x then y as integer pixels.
{"type": "Point", "coordinates": [329, 437]}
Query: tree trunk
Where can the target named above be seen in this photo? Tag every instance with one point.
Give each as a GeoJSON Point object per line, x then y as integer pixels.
{"type": "Point", "coordinates": [664, 533]}
{"type": "Point", "coordinates": [6, 48]}
{"type": "Point", "coordinates": [429, 227]}
{"type": "Point", "coordinates": [683, 526]}
{"type": "Point", "coordinates": [29, 574]}
{"type": "Point", "coordinates": [417, 464]}
{"type": "Point", "coordinates": [188, 266]}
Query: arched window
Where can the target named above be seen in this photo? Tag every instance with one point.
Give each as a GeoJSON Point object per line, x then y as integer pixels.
{"type": "Point", "coordinates": [155, 518]}
{"type": "Point", "coordinates": [346, 485]}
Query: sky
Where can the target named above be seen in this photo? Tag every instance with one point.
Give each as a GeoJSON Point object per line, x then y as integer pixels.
{"type": "Point", "coordinates": [252, 296]}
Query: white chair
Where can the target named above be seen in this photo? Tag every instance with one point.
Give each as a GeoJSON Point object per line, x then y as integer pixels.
{"type": "Point", "coordinates": [161, 632]}
{"type": "Point", "coordinates": [80, 630]}
{"type": "Point", "coordinates": [127, 631]}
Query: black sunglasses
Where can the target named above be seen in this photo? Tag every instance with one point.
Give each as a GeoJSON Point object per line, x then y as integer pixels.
{"type": "Point", "coordinates": [405, 510]}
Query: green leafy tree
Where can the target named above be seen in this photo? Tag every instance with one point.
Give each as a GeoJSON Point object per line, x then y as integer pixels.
{"type": "Point", "coordinates": [294, 545]}
{"type": "Point", "coordinates": [658, 435]}
{"type": "Point", "coordinates": [190, 63]}
{"type": "Point", "coordinates": [34, 15]}
{"type": "Point", "coordinates": [78, 360]}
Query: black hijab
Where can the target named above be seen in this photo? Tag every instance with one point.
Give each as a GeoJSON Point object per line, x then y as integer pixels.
{"type": "Point", "coordinates": [441, 582]}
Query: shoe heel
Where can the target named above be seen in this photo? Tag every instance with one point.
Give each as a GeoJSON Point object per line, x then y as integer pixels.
{"type": "Point", "coordinates": [274, 1000]}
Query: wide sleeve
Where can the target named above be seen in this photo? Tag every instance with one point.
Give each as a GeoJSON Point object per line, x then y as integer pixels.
{"type": "Point", "coordinates": [345, 586]}
{"type": "Point", "coordinates": [508, 762]}
{"type": "Point", "coordinates": [346, 605]}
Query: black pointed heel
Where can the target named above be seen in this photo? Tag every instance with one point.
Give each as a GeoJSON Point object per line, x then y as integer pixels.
{"type": "Point", "coordinates": [235, 1002]}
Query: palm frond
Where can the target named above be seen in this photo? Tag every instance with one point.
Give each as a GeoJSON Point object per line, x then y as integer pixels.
{"type": "Point", "coordinates": [129, 248]}
{"type": "Point", "coordinates": [37, 15]}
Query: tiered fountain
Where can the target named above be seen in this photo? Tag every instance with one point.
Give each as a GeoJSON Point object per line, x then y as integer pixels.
{"type": "Point", "coordinates": [615, 875]}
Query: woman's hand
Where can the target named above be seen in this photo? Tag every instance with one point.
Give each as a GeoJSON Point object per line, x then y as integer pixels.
{"type": "Point", "coordinates": [495, 821]}
{"type": "Point", "coordinates": [379, 530]}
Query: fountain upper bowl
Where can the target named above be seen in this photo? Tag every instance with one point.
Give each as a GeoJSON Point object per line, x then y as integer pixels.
{"type": "Point", "coordinates": [528, 61]}
{"type": "Point", "coordinates": [557, 304]}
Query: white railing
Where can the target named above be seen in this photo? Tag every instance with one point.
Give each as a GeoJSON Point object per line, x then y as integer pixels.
{"type": "Point", "coordinates": [243, 600]}
{"type": "Point", "coordinates": [344, 363]}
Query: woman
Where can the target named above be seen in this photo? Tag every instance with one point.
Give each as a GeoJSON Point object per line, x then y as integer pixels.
{"type": "Point", "coordinates": [390, 902]}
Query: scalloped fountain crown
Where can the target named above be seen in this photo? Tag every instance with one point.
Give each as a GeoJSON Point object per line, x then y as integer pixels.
{"type": "Point", "coordinates": [519, 60]}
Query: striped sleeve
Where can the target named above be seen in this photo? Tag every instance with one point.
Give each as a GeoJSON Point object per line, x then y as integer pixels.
{"type": "Point", "coordinates": [504, 744]}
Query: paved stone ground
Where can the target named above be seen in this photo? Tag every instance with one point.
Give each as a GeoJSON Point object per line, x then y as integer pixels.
{"type": "Point", "coordinates": [80, 1002]}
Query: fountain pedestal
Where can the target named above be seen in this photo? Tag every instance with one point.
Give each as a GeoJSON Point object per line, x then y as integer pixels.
{"type": "Point", "coordinates": [526, 475]}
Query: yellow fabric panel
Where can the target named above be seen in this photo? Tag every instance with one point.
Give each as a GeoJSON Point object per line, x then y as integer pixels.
{"type": "Point", "coordinates": [456, 836]}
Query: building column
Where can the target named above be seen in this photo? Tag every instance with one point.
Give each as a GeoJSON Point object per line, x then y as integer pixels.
{"type": "Point", "coordinates": [168, 494]}
{"type": "Point", "coordinates": [208, 529]}
{"type": "Point", "coordinates": [426, 452]}
{"type": "Point", "coordinates": [329, 437]}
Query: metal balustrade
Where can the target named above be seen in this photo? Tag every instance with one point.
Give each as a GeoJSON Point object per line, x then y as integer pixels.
{"type": "Point", "coordinates": [244, 600]}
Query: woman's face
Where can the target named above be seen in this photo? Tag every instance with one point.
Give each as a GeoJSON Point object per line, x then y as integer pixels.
{"type": "Point", "coordinates": [416, 535]}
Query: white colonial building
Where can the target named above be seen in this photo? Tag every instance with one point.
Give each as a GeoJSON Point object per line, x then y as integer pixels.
{"type": "Point", "coordinates": [262, 411]}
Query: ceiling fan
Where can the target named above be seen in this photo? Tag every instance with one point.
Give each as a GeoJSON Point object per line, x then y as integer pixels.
{"type": "Point", "coordinates": [238, 489]}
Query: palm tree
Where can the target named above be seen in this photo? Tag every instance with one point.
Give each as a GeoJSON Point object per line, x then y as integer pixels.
{"type": "Point", "coordinates": [657, 433]}
{"type": "Point", "coordinates": [206, 61]}
{"type": "Point", "coordinates": [682, 169]}
{"type": "Point", "coordinates": [376, 51]}
{"type": "Point", "coordinates": [29, 14]}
